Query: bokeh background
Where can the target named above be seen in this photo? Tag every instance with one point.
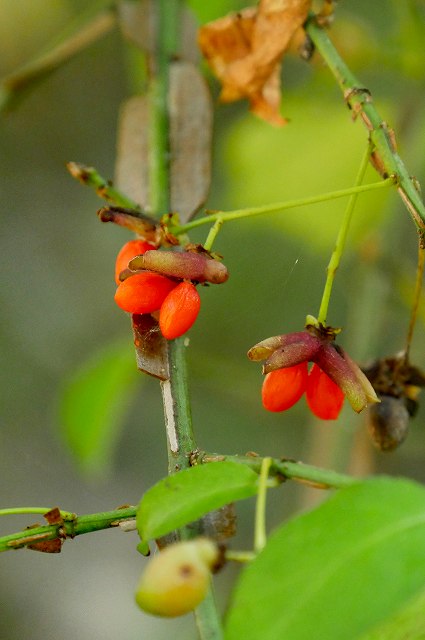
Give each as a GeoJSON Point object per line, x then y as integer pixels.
{"type": "Point", "coordinates": [61, 332]}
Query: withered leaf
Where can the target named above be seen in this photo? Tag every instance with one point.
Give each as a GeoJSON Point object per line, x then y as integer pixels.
{"type": "Point", "coordinates": [245, 51]}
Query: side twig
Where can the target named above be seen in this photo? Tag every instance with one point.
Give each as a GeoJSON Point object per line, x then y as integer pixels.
{"type": "Point", "coordinates": [73, 525]}
{"type": "Point", "coordinates": [87, 28]}
{"type": "Point", "coordinates": [384, 158]}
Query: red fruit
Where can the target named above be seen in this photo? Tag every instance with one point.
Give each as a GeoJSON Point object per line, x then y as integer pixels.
{"type": "Point", "coordinates": [144, 292]}
{"type": "Point", "coordinates": [179, 310]}
{"type": "Point", "coordinates": [282, 388]}
{"type": "Point", "coordinates": [128, 252]}
{"type": "Point", "coordinates": [324, 397]}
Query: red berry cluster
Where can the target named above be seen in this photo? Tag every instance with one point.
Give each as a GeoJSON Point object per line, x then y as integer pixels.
{"type": "Point", "coordinates": [282, 388]}
{"type": "Point", "coordinates": [164, 281]}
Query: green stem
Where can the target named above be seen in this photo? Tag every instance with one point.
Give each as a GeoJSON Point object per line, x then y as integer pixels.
{"type": "Point", "coordinates": [240, 556]}
{"type": "Point", "coordinates": [76, 525]}
{"type": "Point", "coordinates": [178, 418]}
{"type": "Point", "coordinates": [213, 234]}
{"type": "Point", "coordinates": [86, 29]}
{"type": "Point", "coordinates": [260, 536]}
{"type": "Point", "coordinates": [286, 469]}
{"type": "Point", "coordinates": [416, 296]}
{"type": "Point", "coordinates": [66, 515]}
{"type": "Point", "coordinates": [340, 242]}
{"type": "Point", "coordinates": [159, 146]}
{"type": "Point", "coordinates": [180, 437]}
{"type": "Point", "coordinates": [70, 528]}
{"type": "Point", "coordinates": [90, 177]}
{"type": "Point", "coordinates": [209, 627]}
{"type": "Point", "coordinates": [385, 158]}
{"type": "Point", "coordinates": [226, 216]}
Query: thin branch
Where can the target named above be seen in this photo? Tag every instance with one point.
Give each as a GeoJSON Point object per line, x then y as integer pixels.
{"type": "Point", "coordinates": [74, 525]}
{"type": "Point", "coordinates": [416, 296]}
{"type": "Point", "coordinates": [180, 437]}
{"type": "Point", "coordinates": [68, 528]}
{"type": "Point", "coordinates": [287, 469]}
{"type": "Point", "coordinates": [275, 207]}
{"type": "Point", "coordinates": [385, 158]}
{"type": "Point", "coordinates": [340, 242]}
{"type": "Point", "coordinates": [87, 28]}
{"type": "Point", "coordinates": [103, 188]}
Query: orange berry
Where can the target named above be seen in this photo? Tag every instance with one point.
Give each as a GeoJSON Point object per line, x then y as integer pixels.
{"type": "Point", "coordinates": [129, 251]}
{"type": "Point", "coordinates": [282, 388]}
{"type": "Point", "coordinates": [324, 397]}
{"type": "Point", "coordinates": [144, 292]}
{"type": "Point", "coordinates": [179, 310]}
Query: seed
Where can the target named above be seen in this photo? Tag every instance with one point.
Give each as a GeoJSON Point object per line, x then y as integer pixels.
{"type": "Point", "coordinates": [284, 387]}
{"type": "Point", "coordinates": [179, 310]}
{"type": "Point", "coordinates": [324, 397]}
{"type": "Point", "coordinates": [144, 292]}
{"type": "Point", "coordinates": [128, 252]}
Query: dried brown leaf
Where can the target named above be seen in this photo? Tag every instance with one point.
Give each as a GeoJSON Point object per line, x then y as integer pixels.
{"type": "Point", "coordinates": [245, 50]}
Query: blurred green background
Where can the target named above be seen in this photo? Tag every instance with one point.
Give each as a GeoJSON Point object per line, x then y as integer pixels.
{"type": "Point", "coordinates": [58, 318]}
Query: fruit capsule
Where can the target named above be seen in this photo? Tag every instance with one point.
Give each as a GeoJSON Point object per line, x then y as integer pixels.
{"type": "Point", "coordinates": [144, 292]}
{"type": "Point", "coordinates": [184, 265]}
{"type": "Point", "coordinates": [177, 579]}
{"type": "Point", "coordinates": [127, 253]}
{"type": "Point", "coordinates": [388, 423]}
{"type": "Point", "coordinates": [179, 310]}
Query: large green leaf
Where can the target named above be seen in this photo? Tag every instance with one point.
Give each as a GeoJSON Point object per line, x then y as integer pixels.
{"type": "Point", "coordinates": [407, 624]}
{"type": "Point", "coordinates": [337, 571]}
{"type": "Point", "coordinates": [186, 496]}
{"type": "Point", "coordinates": [94, 403]}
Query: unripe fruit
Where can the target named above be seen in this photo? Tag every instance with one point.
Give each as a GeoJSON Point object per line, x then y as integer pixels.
{"type": "Point", "coordinates": [128, 252]}
{"type": "Point", "coordinates": [144, 292]}
{"type": "Point", "coordinates": [184, 265]}
{"type": "Point", "coordinates": [179, 310]}
{"type": "Point", "coordinates": [177, 579]}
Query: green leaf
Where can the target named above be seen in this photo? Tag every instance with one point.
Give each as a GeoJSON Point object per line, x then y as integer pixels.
{"type": "Point", "coordinates": [337, 571]}
{"type": "Point", "coordinates": [186, 496]}
{"type": "Point", "coordinates": [94, 403]}
{"type": "Point", "coordinates": [407, 624]}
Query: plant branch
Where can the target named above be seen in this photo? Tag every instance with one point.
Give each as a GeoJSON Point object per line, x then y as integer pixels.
{"type": "Point", "coordinates": [286, 469]}
{"type": "Point", "coordinates": [275, 207]}
{"type": "Point", "coordinates": [260, 535]}
{"type": "Point", "coordinates": [86, 29]}
{"type": "Point", "coordinates": [103, 188]}
{"type": "Point", "coordinates": [416, 296]}
{"type": "Point", "coordinates": [180, 437]}
{"type": "Point", "coordinates": [340, 242]}
{"type": "Point", "coordinates": [178, 418]}
{"type": "Point", "coordinates": [73, 525]}
{"type": "Point", "coordinates": [385, 158]}
{"type": "Point", "coordinates": [67, 528]}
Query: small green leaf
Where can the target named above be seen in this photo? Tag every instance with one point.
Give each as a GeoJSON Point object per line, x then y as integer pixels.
{"type": "Point", "coordinates": [338, 571]}
{"type": "Point", "coordinates": [186, 496]}
{"type": "Point", "coordinates": [94, 403]}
